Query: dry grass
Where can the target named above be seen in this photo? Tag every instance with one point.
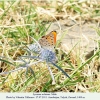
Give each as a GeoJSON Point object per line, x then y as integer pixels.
{"type": "Point", "coordinates": [21, 19]}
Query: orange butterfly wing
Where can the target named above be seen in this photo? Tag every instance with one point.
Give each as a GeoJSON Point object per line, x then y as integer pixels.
{"type": "Point", "coordinates": [48, 40]}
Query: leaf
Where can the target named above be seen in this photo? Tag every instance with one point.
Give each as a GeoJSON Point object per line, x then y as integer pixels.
{"type": "Point", "coordinates": [6, 61]}
{"type": "Point", "coordinates": [61, 70]}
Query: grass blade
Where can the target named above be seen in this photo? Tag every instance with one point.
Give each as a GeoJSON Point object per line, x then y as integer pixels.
{"type": "Point", "coordinates": [61, 70]}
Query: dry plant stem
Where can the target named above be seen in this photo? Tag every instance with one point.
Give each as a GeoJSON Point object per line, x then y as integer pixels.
{"type": "Point", "coordinates": [22, 67]}
{"type": "Point", "coordinates": [13, 26]}
{"type": "Point", "coordinates": [36, 42]}
{"type": "Point", "coordinates": [52, 76]}
{"type": "Point", "coordinates": [47, 12]}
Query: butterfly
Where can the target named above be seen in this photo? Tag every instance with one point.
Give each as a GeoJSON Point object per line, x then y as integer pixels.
{"type": "Point", "coordinates": [48, 41]}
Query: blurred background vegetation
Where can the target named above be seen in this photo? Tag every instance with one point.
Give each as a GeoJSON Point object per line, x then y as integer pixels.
{"type": "Point", "coordinates": [20, 19]}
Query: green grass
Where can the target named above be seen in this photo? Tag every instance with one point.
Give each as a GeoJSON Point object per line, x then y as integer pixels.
{"type": "Point", "coordinates": [20, 21]}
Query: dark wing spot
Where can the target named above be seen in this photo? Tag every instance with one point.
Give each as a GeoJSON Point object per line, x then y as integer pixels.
{"type": "Point", "coordinates": [52, 43]}
{"type": "Point", "coordinates": [43, 36]}
{"type": "Point", "coordinates": [51, 36]}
